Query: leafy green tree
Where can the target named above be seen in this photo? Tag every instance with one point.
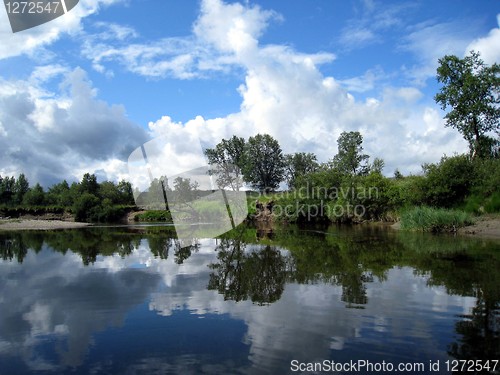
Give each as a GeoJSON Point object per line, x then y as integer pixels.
{"type": "Point", "coordinates": [7, 189]}
{"type": "Point", "coordinates": [299, 164]}
{"type": "Point", "coordinates": [472, 90]}
{"type": "Point", "coordinates": [59, 194]}
{"type": "Point", "coordinates": [89, 184]}
{"type": "Point", "coordinates": [264, 165]}
{"type": "Point", "coordinates": [350, 158]}
{"type": "Point", "coordinates": [108, 190]}
{"type": "Point", "coordinates": [226, 161]}
{"type": "Point", "coordinates": [34, 196]}
{"type": "Point", "coordinates": [185, 191]}
{"type": "Point", "coordinates": [21, 187]}
{"type": "Point", "coordinates": [449, 181]}
{"type": "Point", "coordinates": [86, 207]}
{"type": "Point", "coordinates": [126, 193]}
{"type": "Point", "coordinates": [377, 165]}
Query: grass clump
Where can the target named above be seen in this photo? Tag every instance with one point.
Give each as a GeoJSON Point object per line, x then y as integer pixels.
{"type": "Point", "coordinates": [153, 216]}
{"type": "Point", "coordinates": [429, 219]}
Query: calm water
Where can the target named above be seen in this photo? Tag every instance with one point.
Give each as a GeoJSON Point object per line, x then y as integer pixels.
{"type": "Point", "coordinates": [131, 301]}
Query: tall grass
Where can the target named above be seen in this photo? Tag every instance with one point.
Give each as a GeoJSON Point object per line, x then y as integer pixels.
{"type": "Point", "coordinates": [430, 219]}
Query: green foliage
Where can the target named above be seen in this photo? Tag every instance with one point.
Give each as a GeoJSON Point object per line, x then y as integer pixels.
{"type": "Point", "coordinates": [227, 161]}
{"type": "Point", "coordinates": [472, 90]}
{"type": "Point", "coordinates": [60, 194]}
{"type": "Point", "coordinates": [89, 184]}
{"type": "Point", "coordinates": [7, 189]}
{"type": "Point", "coordinates": [34, 196]}
{"type": "Point", "coordinates": [430, 219]}
{"type": "Point", "coordinates": [449, 182]}
{"type": "Point", "coordinates": [297, 165]}
{"type": "Point", "coordinates": [154, 215]}
{"type": "Point", "coordinates": [350, 158]}
{"type": "Point", "coordinates": [492, 204]}
{"type": "Point", "coordinates": [86, 207]}
{"type": "Point", "coordinates": [264, 164]}
{"type": "Point", "coordinates": [21, 187]}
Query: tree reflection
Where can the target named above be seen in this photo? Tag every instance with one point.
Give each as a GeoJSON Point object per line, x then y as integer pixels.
{"type": "Point", "coordinates": [258, 275]}
{"type": "Point", "coordinates": [12, 247]}
{"type": "Point", "coordinates": [479, 331]}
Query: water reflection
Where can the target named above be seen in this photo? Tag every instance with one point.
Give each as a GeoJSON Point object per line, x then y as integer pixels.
{"type": "Point", "coordinates": [132, 299]}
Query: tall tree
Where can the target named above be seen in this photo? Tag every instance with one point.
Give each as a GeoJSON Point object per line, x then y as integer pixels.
{"type": "Point", "coordinates": [226, 161]}
{"type": "Point", "coordinates": [377, 165]}
{"type": "Point", "coordinates": [350, 158]}
{"type": "Point", "coordinates": [264, 165]}
{"type": "Point", "coordinates": [472, 90]}
{"type": "Point", "coordinates": [21, 187]}
{"type": "Point", "coordinates": [299, 164]}
{"type": "Point", "coordinates": [7, 189]}
{"type": "Point", "coordinates": [89, 184]}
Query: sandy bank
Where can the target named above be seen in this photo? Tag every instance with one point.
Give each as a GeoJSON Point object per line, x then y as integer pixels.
{"type": "Point", "coordinates": [22, 224]}
{"type": "Point", "coordinates": [485, 226]}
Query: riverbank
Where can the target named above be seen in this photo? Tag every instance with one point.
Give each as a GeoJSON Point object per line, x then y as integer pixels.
{"type": "Point", "coordinates": [487, 226]}
{"type": "Point", "coordinates": [31, 224]}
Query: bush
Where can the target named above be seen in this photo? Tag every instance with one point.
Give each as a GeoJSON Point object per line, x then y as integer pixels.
{"type": "Point", "coordinates": [430, 219]}
{"type": "Point", "coordinates": [449, 182]}
{"type": "Point", "coordinates": [493, 203]}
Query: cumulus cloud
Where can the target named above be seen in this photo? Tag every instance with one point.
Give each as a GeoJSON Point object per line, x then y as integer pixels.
{"type": "Point", "coordinates": [54, 135]}
{"type": "Point", "coordinates": [286, 95]}
{"type": "Point", "coordinates": [488, 46]}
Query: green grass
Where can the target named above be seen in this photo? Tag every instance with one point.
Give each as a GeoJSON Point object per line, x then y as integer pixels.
{"type": "Point", "coordinates": [430, 219]}
{"type": "Point", "coordinates": [154, 216]}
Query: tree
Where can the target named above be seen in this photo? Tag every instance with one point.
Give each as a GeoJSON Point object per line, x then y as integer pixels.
{"type": "Point", "coordinates": [471, 89]}
{"type": "Point", "coordinates": [21, 187]}
{"type": "Point", "coordinates": [297, 165]}
{"type": "Point", "coordinates": [377, 165]}
{"type": "Point", "coordinates": [226, 161]}
{"type": "Point", "coordinates": [59, 194]}
{"type": "Point", "coordinates": [126, 193]}
{"type": "Point", "coordinates": [264, 165]}
{"type": "Point", "coordinates": [7, 189]}
{"type": "Point", "coordinates": [34, 196]}
{"type": "Point", "coordinates": [86, 207]}
{"type": "Point", "coordinates": [350, 158]}
{"type": "Point", "coordinates": [89, 184]}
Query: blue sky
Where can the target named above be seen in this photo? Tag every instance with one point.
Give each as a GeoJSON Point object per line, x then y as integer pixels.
{"type": "Point", "coordinates": [80, 93]}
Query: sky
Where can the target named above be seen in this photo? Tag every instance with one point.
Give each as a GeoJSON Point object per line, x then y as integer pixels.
{"type": "Point", "coordinates": [82, 92]}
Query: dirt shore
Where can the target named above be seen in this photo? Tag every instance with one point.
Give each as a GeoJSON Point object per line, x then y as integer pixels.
{"type": "Point", "coordinates": [28, 224]}
{"type": "Point", "coordinates": [487, 226]}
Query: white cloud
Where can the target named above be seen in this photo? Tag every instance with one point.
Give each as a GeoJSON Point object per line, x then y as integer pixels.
{"type": "Point", "coordinates": [32, 40]}
{"type": "Point", "coordinates": [54, 135]}
{"type": "Point", "coordinates": [285, 95]}
{"type": "Point", "coordinates": [374, 18]}
{"type": "Point", "coordinates": [488, 46]}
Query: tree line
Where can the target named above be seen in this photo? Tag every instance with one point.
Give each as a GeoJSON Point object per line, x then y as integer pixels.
{"type": "Point", "coordinates": [470, 91]}
{"type": "Point", "coordinates": [87, 200]}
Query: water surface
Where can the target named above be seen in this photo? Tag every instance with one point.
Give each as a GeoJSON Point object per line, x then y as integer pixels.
{"type": "Point", "coordinates": [130, 300]}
